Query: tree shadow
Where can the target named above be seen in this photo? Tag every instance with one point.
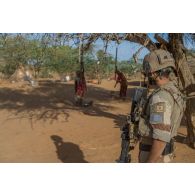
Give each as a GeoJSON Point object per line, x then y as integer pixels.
{"type": "Point", "coordinates": [101, 111]}
{"type": "Point", "coordinates": [180, 138]}
{"type": "Point", "coordinates": [68, 152]}
{"type": "Point", "coordinates": [52, 101]}
{"type": "Point", "coordinates": [183, 139]}
{"type": "Point", "coordinates": [34, 105]}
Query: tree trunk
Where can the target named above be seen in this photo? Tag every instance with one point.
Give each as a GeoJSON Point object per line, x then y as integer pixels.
{"type": "Point", "coordinates": [98, 73]}
{"type": "Point", "coordinates": [136, 54]}
{"type": "Point", "coordinates": [176, 47]}
{"type": "Point", "coordinates": [187, 82]}
{"type": "Point", "coordinates": [81, 50]}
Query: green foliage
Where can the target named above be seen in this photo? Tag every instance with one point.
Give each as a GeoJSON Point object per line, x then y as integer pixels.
{"type": "Point", "coordinates": [129, 67]}
{"type": "Point", "coordinates": [61, 59]}
{"type": "Point", "coordinates": [16, 49]}
{"type": "Point", "coordinates": [47, 53]}
{"type": "Point", "coordinates": [13, 51]}
{"type": "Point", "coordinates": [106, 63]}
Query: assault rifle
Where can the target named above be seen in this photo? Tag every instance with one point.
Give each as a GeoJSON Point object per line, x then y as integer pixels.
{"type": "Point", "coordinates": [129, 132]}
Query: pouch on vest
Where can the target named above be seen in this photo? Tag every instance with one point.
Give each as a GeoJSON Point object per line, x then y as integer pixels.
{"type": "Point", "coordinates": [144, 129]}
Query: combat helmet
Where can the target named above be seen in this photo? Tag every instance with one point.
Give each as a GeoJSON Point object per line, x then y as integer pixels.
{"type": "Point", "coordinates": [157, 60]}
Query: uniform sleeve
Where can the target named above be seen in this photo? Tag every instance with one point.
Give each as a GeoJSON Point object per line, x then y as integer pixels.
{"type": "Point", "coordinates": [160, 116]}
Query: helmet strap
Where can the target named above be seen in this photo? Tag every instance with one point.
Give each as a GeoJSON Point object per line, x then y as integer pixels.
{"type": "Point", "coordinates": [157, 74]}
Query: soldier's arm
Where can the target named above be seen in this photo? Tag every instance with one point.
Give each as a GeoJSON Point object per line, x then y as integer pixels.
{"type": "Point", "coordinates": [157, 148]}
{"type": "Point", "coordinates": [160, 122]}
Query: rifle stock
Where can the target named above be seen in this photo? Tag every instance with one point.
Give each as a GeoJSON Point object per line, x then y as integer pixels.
{"type": "Point", "coordinates": [125, 157]}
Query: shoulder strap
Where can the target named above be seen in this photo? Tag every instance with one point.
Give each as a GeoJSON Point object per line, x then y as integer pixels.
{"type": "Point", "coordinates": [174, 99]}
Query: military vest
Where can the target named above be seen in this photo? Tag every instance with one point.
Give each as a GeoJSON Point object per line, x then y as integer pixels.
{"type": "Point", "coordinates": [175, 98]}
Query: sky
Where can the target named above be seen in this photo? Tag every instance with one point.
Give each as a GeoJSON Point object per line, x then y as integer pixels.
{"type": "Point", "coordinates": [125, 50]}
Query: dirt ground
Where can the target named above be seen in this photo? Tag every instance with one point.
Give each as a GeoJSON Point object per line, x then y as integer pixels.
{"type": "Point", "coordinates": [41, 124]}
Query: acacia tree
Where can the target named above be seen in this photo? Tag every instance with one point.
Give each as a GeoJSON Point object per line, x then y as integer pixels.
{"type": "Point", "coordinates": [40, 51]}
{"type": "Point", "coordinates": [14, 51]}
{"type": "Point", "coordinates": [175, 45]}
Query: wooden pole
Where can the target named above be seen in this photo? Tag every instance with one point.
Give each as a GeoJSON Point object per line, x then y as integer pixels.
{"type": "Point", "coordinates": [116, 57]}
{"type": "Point", "coordinates": [81, 53]}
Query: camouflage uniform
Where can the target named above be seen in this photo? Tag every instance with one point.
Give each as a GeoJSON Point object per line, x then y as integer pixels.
{"type": "Point", "coordinates": [164, 108]}
{"type": "Point", "coordinates": [161, 119]}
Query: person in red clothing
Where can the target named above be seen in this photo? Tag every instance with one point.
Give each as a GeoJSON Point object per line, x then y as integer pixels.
{"type": "Point", "coordinates": [120, 78]}
{"type": "Point", "coordinates": [80, 87]}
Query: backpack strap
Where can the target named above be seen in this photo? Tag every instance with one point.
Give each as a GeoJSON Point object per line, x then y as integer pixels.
{"type": "Point", "coordinates": [174, 99]}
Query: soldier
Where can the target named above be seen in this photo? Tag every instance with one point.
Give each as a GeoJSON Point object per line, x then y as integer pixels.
{"type": "Point", "coordinates": [163, 110]}
{"type": "Point", "coordinates": [80, 88]}
{"type": "Point", "coordinates": [123, 83]}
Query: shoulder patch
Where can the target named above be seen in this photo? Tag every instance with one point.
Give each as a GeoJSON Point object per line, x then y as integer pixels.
{"type": "Point", "coordinates": [156, 118]}
{"type": "Point", "coordinates": [158, 107]}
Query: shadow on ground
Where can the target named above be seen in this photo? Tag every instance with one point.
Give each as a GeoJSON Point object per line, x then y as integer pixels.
{"type": "Point", "coordinates": [67, 152]}
{"type": "Point", "coordinates": [180, 138]}
{"type": "Point", "coordinates": [53, 101]}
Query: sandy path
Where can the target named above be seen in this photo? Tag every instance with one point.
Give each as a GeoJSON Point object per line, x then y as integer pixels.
{"type": "Point", "coordinates": [42, 125]}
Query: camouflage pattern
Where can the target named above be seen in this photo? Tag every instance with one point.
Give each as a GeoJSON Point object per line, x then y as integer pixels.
{"type": "Point", "coordinates": [162, 114]}
{"type": "Point", "coordinates": [157, 60]}
{"type": "Point", "coordinates": [164, 109]}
